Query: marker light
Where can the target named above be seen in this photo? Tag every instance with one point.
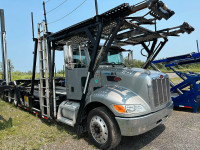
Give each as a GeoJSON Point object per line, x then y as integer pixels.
{"type": "Point", "coordinates": [117, 79]}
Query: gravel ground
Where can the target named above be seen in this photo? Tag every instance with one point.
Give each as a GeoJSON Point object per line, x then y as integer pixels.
{"type": "Point", "coordinates": [180, 132]}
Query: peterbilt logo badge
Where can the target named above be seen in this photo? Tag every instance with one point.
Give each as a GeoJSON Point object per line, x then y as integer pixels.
{"type": "Point", "coordinates": [161, 76]}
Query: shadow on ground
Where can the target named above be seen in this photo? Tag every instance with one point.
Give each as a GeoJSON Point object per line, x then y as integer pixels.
{"type": "Point", "coordinates": [127, 143]}
{"type": "Point", "coordinates": [4, 123]}
{"type": "Point", "coordinates": [60, 126]}
{"type": "Point", "coordinates": [138, 142]}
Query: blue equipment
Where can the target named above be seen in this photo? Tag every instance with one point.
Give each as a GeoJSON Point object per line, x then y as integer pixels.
{"type": "Point", "coordinates": [190, 97]}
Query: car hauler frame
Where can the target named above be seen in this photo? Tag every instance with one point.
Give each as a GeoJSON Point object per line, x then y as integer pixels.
{"type": "Point", "coordinates": [101, 97]}
{"type": "Point", "coordinates": [187, 98]}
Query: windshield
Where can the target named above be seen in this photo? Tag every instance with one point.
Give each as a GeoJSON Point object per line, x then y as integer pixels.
{"type": "Point", "coordinates": [113, 58]}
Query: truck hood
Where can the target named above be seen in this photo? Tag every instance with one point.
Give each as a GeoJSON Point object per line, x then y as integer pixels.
{"type": "Point", "coordinates": [131, 72]}
{"type": "Point", "coordinates": [138, 80]}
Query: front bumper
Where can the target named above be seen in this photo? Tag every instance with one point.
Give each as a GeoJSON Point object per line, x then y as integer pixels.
{"type": "Point", "coordinates": [140, 125]}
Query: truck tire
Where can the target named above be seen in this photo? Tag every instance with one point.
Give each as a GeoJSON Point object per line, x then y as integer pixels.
{"type": "Point", "coordinates": [10, 97]}
{"type": "Point", "coordinates": [103, 130]}
{"type": "Point", "coordinates": [15, 100]}
{"type": "Point", "coordinates": [1, 95]}
{"type": "Point", "coordinates": [5, 96]}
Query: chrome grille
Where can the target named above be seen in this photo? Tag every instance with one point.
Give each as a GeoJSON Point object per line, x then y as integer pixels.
{"type": "Point", "coordinates": [161, 91]}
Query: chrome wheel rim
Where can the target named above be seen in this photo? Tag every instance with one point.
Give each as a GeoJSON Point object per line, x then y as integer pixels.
{"type": "Point", "coordinates": [15, 100]}
{"type": "Point", "coordinates": [9, 97]}
{"type": "Point", "coordinates": [99, 129]}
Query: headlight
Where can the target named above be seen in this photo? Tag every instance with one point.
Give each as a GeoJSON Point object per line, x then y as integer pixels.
{"type": "Point", "coordinates": [129, 109]}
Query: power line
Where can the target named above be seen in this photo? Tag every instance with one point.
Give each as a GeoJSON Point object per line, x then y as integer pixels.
{"type": "Point", "coordinates": [47, 1]}
{"type": "Point", "coordinates": [68, 13]}
{"type": "Point", "coordinates": [57, 6]}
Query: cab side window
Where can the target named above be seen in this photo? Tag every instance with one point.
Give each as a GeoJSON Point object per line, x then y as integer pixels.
{"type": "Point", "coordinates": [79, 58]}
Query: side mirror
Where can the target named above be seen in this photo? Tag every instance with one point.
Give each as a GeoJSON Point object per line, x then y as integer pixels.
{"type": "Point", "coordinates": [68, 57]}
{"type": "Point", "coordinates": [130, 58]}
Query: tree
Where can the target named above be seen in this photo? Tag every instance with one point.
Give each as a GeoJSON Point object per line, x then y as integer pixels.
{"type": "Point", "coordinates": [11, 69]}
{"type": "Point", "coordinates": [135, 64]}
{"type": "Point", "coordinates": [11, 66]}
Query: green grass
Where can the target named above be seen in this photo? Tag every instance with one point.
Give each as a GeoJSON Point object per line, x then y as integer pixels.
{"type": "Point", "coordinates": [20, 75]}
{"type": "Point", "coordinates": [22, 130]}
{"type": "Point", "coordinates": [17, 76]}
{"type": "Point", "coordinates": [182, 70]}
{"type": "Point", "coordinates": [176, 80]}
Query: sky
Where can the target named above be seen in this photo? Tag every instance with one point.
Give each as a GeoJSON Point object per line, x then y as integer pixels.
{"type": "Point", "coordinates": [19, 31]}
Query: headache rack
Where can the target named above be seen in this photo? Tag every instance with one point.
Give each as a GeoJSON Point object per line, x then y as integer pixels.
{"type": "Point", "coordinates": [86, 30]}
{"type": "Point", "coordinates": [130, 30]}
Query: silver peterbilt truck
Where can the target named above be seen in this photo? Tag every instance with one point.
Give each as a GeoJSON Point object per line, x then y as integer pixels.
{"type": "Point", "coordinates": [130, 101]}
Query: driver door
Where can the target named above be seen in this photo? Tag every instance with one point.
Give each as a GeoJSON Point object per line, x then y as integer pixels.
{"type": "Point", "coordinates": [76, 77]}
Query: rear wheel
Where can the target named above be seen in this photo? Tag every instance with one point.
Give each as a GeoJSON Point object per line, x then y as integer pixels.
{"type": "Point", "coordinates": [103, 129]}
{"type": "Point", "coordinates": [10, 100]}
{"type": "Point", "coordinates": [5, 96]}
{"type": "Point", "coordinates": [15, 100]}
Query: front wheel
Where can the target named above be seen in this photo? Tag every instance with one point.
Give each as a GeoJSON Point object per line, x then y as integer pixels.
{"type": "Point", "coordinates": [103, 129]}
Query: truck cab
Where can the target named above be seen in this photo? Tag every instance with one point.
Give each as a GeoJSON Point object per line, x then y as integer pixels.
{"type": "Point", "coordinates": [135, 100]}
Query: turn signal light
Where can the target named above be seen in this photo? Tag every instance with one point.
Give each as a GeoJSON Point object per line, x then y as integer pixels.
{"type": "Point", "coordinates": [120, 108]}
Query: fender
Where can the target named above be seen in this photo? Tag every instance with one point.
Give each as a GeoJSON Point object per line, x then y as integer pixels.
{"type": "Point", "coordinates": [117, 95]}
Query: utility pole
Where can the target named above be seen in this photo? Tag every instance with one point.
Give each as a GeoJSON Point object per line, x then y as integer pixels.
{"type": "Point", "coordinates": [4, 47]}
{"type": "Point", "coordinates": [96, 8]}
{"type": "Point", "coordinates": [45, 16]}
{"type": "Point", "coordinates": [33, 34]}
